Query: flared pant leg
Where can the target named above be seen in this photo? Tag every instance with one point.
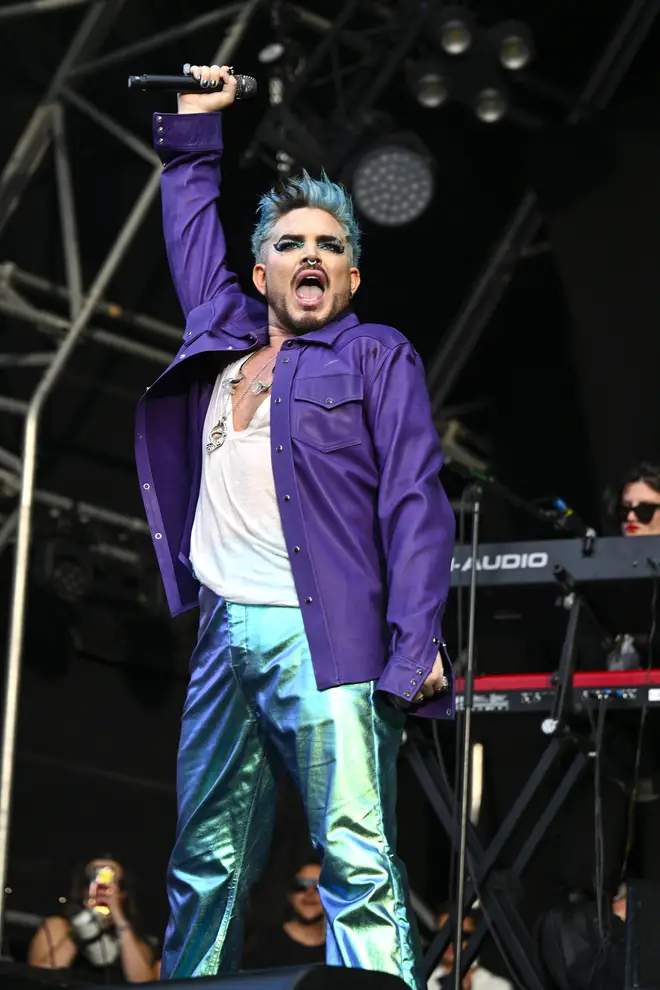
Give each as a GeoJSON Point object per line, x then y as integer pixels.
{"type": "Point", "coordinates": [340, 746]}
{"type": "Point", "coordinates": [226, 801]}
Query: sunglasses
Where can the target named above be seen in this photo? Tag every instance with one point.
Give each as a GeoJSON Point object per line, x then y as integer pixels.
{"type": "Point", "coordinates": [643, 511]}
{"type": "Point", "coordinates": [305, 883]}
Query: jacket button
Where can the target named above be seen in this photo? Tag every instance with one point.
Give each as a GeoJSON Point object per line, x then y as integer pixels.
{"type": "Point", "coordinates": [287, 498]}
{"type": "Point", "coordinates": [406, 694]}
{"type": "Point", "coordinates": [308, 601]}
{"type": "Point", "coordinates": [277, 402]}
{"type": "Point", "coordinates": [296, 549]}
{"type": "Point", "coordinates": [285, 360]}
{"type": "Point", "coordinates": [146, 487]}
{"type": "Point", "coordinates": [159, 119]}
{"type": "Point", "coordinates": [436, 640]}
{"type": "Point", "coordinates": [161, 140]}
{"type": "Point", "coordinates": [158, 536]}
{"type": "Point", "coordinates": [414, 683]}
{"type": "Point", "coordinates": [231, 347]}
{"type": "Point", "coordinates": [328, 402]}
{"type": "Point", "coordinates": [279, 448]}
{"type": "Point", "coordinates": [419, 673]}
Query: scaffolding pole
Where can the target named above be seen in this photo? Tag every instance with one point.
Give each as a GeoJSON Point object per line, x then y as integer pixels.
{"type": "Point", "coordinates": [37, 7]}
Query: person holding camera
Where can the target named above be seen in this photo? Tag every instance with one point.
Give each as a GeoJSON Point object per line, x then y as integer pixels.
{"type": "Point", "coordinates": [97, 938]}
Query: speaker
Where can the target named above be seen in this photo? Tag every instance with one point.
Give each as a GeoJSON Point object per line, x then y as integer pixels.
{"type": "Point", "coordinates": [300, 977]}
{"type": "Point", "coordinates": [642, 970]}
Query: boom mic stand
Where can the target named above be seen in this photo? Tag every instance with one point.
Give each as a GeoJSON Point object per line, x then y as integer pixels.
{"type": "Point", "coordinates": [475, 492]}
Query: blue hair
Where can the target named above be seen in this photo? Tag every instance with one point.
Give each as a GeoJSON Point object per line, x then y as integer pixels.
{"type": "Point", "coordinates": [303, 191]}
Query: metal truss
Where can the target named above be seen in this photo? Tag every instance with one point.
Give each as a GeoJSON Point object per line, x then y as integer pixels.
{"type": "Point", "coordinates": [39, 302]}
{"type": "Point", "coordinates": [322, 103]}
{"type": "Point", "coordinates": [517, 239]}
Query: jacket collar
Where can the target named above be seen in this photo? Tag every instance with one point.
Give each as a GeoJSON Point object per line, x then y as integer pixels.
{"type": "Point", "coordinates": [331, 331]}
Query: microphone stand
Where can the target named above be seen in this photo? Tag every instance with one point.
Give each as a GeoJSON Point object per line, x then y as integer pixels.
{"type": "Point", "coordinates": [551, 516]}
{"type": "Point", "coordinates": [466, 772]}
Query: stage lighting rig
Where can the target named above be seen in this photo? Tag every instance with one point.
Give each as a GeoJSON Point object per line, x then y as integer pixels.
{"type": "Point", "coordinates": [428, 83]}
{"type": "Point", "coordinates": [514, 45]}
{"type": "Point", "coordinates": [470, 63]}
{"type": "Point", "coordinates": [454, 29]}
{"type": "Point", "coordinates": [490, 105]}
{"type": "Point", "coordinates": [393, 182]}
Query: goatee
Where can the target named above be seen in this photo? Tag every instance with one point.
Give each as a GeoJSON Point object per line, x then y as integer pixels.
{"type": "Point", "coordinates": [308, 322]}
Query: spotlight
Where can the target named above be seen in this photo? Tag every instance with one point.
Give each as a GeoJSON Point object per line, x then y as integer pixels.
{"type": "Point", "coordinates": [393, 183]}
{"type": "Point", "coordinates": [428, 84]}
{"type": "Point", "coordinates": [514, 45]}
{"type": "Point", "coordinates": [271, 53]}
{"type": "Point", "coordinates": [66, 568]}
{"type": "Point", "coordinates": [490, 105]}
{"type": "Point", "coordinates": [454, 29]}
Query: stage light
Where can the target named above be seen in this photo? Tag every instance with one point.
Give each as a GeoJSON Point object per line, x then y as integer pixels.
{"type": "Point", "coordinates": [65, 566]}
{"type": "Point", "coordinates": [428, 84]}
{"type": "Point", "coordinates": [490, 105]}
{"type": "Point", "coordinates": [514, 45]}
{"type": "Point", "coordinates": [454, 29]}
{"type": "Point", "coordinates": [393, 183]}
{"type": "Point", "coordinates": [271, 53]}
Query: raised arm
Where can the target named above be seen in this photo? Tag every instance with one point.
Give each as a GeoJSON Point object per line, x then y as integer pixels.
{"type": "Point", "coordinates": [190, 146]}
{"type": "Point", "coordinates": [416, 521]}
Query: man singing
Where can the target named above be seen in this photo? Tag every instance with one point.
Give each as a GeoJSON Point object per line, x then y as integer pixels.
{"type": "Point", "coordinates": [289, 467]}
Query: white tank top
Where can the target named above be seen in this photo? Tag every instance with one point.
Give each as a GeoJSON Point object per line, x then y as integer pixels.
{"type": "Point", "coordinates": [237, 546]}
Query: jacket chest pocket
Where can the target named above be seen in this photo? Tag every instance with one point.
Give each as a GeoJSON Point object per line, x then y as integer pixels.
{"type": "Point", "coordinates": [326, 412]}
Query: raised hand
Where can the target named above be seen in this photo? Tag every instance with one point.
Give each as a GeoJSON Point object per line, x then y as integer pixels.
{"type": "Point", "coordinates": [211, 99]}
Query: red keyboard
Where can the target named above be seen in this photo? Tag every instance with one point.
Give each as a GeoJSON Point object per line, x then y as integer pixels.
{"type": "Point", "coordinates": [536, 692]}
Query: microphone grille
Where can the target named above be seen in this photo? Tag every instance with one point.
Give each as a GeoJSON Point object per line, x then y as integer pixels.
{"type": "Point", "coordinates": [247, 87]}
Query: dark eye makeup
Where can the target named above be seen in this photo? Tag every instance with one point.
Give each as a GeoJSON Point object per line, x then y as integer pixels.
{"type": "Point", "coordinates": [331, 244]}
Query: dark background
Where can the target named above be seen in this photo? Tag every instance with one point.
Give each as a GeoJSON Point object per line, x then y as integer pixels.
{"type": "Point", "coordinates": [562, 388]}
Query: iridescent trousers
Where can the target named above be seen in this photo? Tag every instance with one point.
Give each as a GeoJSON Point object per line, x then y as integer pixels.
{"type": "Point", "coordinates": [252, 705]}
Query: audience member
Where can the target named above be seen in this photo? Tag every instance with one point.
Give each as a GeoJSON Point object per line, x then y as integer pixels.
{"type": "Point", "coordinates": [477, 977]}
{"type": "Point", "coordinates": [97, 938]}
{"type": "Point", "coordinates": [300, 940]}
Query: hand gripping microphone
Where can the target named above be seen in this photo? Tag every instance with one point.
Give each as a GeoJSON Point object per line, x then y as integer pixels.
{"type": "Point", "coordinates": [246, 85]}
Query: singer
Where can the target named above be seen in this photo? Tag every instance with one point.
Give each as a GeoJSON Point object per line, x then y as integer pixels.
{"type": "Point", "coordinates": [289, 467]}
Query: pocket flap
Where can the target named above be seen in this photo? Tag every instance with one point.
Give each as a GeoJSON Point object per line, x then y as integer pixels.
{"type": "Point", "coordinates": [330, 390]}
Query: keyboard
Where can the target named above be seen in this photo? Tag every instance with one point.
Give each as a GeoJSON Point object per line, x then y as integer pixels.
{"type": "Point", "coordinates": [536, 692]}
{"type": "Point", "coordinates": [614, 558]}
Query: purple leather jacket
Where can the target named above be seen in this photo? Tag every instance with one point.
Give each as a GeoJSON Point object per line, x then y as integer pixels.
{"type": "Point", "coordinates": [355, 455]}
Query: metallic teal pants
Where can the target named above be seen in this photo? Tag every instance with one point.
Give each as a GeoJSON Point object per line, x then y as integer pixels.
{"type": "Point", "coordinates": [253, 704]}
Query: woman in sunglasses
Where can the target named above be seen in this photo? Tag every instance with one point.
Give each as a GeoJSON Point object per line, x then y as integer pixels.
{"type": "Point", "coordinates": [300, 939]}
{"type": "Point", "coordinates": [636, 504]}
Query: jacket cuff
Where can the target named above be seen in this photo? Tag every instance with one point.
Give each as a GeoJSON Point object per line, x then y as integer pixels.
{"type": "Point", "coordinates": [185, 132]}
{"type": "Point", "coordinates": [403, 677]}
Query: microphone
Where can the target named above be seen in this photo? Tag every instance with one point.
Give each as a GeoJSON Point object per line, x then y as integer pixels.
{"type": "Point", "coordinates": [569, 522]}
{"type": "Point", "coordinates": [246, 85]}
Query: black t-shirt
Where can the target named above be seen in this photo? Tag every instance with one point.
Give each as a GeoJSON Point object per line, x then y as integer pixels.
{"type": "Point", "coordinates": [275, 948]}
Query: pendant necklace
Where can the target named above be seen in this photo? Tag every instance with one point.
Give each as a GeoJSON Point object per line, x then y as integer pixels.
{"type": "Point", "coordinates": [256, 385]}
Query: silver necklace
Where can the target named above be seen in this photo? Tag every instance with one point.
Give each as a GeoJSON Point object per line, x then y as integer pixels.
{"type": "Point", "coordinates": [218, 434]}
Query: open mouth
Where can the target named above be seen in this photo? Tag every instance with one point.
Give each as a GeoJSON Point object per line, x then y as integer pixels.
{"type": "Point", "coordinates": [310, 288]}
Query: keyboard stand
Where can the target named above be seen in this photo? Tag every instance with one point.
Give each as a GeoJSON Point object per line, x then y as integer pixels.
{"type": "Point", "coordinates": [489, 888]}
